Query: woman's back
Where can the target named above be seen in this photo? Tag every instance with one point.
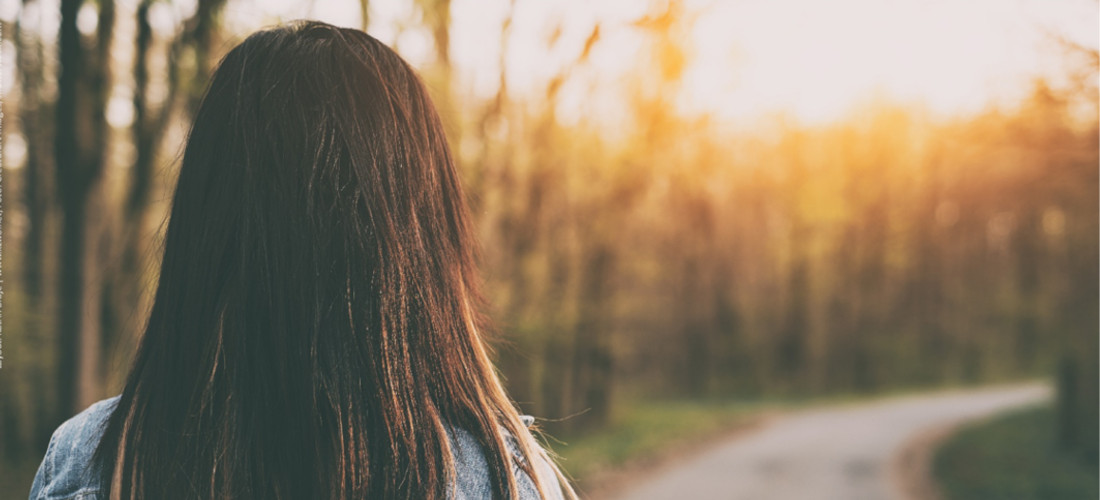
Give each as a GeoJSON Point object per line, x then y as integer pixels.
{"type": "Point", "coordinates": [315, 330]}
{"type": "Point", "coordinates": [66, 471]}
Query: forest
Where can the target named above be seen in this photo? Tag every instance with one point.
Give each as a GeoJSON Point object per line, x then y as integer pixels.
{"type": "Point", "coordinates": [669, 256]}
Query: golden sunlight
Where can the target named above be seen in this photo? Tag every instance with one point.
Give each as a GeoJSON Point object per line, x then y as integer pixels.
{"type": "Point", "coordinates": [814, 61]}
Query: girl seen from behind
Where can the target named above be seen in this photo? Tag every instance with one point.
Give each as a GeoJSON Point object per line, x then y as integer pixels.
{"type": "Point", "coordinates": [315, 331]}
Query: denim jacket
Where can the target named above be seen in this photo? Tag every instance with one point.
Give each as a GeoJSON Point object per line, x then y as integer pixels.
{"type": "Point", "coordinates": [64, 473]}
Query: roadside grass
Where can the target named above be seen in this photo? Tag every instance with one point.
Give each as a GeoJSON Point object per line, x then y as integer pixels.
{"type": "Point", "coordinates": [16, 477]}
{"type": "Point", "coordinates": [1013, 457]}
{"type": "Point", "coordinates": [650, 430]}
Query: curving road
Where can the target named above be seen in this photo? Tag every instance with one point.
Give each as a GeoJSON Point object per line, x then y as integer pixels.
{"type": "Point", "coordinates": [842, 453]}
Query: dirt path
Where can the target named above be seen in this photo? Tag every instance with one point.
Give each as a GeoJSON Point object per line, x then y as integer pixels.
{"type": "Point", "coordinates": [866, 451]}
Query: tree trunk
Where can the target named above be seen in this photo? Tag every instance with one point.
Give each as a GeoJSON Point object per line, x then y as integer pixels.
{"type": "Point", "coordinates": [80, 150]}
{"type": "Point", "coordinates": [594, 360]}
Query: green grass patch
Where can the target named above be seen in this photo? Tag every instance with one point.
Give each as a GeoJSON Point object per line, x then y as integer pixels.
{"type": "Point", "coordinates": [648, 430]}
{"type": "Point", "coordinates": [1013, 457]}
{"type": "Point", "coordinates": [16, 477]}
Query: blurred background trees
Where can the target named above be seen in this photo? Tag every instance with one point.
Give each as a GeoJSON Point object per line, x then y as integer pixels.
{"type": "Point", "coordinates": [670, 256]}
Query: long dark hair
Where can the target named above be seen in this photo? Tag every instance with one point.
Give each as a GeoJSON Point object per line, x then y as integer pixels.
{"type": "Point", "coordinates": [315, 328]}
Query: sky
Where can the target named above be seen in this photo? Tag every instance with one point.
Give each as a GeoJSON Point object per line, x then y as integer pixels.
{"type": "Point", "coordinates": [748, 59]}
{"type": "Point", "coordinates": [818, 59]}
{"type": "Point", "coordinates": [810, 59]}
